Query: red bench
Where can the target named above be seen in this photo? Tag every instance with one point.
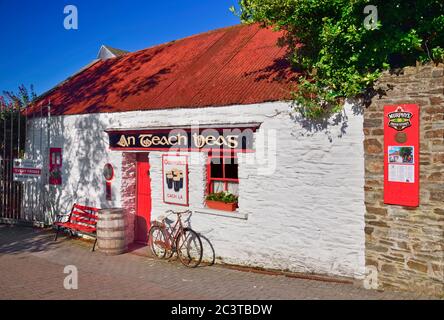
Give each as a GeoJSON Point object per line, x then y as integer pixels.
{"type": "Point", "coordinates": [81, 219]}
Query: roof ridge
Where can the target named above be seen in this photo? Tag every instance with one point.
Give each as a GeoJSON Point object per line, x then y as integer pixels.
{"type": "Point", "coordinates": [115, 51]}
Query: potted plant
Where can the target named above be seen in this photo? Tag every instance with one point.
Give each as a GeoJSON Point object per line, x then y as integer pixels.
{"type": "Point", "coordinates": [222, 201]}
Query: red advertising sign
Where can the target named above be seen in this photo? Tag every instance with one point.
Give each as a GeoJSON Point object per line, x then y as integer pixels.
{"type": "Point", "coordinates": [175, 179]}
{"type": "Point", "coordinates": [401, 155]}
{"type": "Point", "coordinates": [55, 166]}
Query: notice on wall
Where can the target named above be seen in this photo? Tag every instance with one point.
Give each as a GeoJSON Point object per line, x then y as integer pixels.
{"type": "Point", "coordinates": [401, 164]}
{"type": "Point", "coordinates": [401, 173]}
{"type": "Point", "coordinates": [26, 170]}
{"type": "Point", "coordinates": [175, 179]}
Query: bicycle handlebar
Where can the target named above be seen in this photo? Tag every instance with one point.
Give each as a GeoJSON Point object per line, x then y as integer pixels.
{"type": "Point", "coordinates": [179, 212]}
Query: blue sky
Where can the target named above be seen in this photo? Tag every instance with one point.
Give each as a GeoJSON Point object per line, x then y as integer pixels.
{"type": "Point", "coordinates": [37, 49]}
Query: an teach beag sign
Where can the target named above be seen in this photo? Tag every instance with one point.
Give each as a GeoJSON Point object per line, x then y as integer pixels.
{"type": "Point", "coordinates": [183, 139]}
{"type": "Point", "coordinates": [401, 155]}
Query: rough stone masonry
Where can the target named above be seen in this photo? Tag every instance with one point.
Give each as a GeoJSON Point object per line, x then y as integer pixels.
{"type": "Point", "coordinates": [406, 244]}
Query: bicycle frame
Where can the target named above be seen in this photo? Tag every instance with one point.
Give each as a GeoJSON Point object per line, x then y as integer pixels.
{"type": "Point", "coordinates": [176, 239]}
{"type": "Point", "coordinates": [172, 234]}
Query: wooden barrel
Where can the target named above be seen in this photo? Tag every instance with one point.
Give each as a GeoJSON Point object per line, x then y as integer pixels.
{"type": "Point", "coordinates": [111, 231]}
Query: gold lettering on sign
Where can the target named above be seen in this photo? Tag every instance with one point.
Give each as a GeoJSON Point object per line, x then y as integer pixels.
{"type": "Point", "coordinates": [230, 141]}
{"type": "Point", "coordinates": [182, 139]}
{"type": "Point", "coordinates": [126, 141]}
{"type": "Point", "coordinates": [122, 142]}
{"type": "Point", "coordinates": [148, 140]}
{"type": "Point", "coordinates": [145, 140]}
{"type": "Point", "coordinates": [199, 141]}
{"type": "Point", "coordinates": [233, 141]}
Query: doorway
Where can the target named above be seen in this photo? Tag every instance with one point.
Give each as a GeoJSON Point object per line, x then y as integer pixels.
{"type": "Point", "coordinates": [143, 198]}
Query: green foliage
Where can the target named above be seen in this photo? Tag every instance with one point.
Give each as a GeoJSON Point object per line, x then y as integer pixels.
{"type": "Point", "coordinates": [17, 100]}
{"type": "Point", "coordinates": [338, 55]}
{"type": "Point", "coordinates": [10, 105]}
{"type": "Point", "coordinates": [223, 197]}
{"type": "Point", "coordinates": [405, 152]}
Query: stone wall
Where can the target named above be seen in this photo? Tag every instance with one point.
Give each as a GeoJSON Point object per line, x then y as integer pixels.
{"type": "Point", "coordinates": [406, 245]}
{"type": "Point", "coordinates": [128, 193]}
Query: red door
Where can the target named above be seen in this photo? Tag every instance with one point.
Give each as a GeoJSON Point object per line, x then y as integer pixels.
{"type": "Point", "coordinates": [143, 198]}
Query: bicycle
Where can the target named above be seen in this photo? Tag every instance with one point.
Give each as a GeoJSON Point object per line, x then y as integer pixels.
{"type": "Point", "coordinates": [164, 241]}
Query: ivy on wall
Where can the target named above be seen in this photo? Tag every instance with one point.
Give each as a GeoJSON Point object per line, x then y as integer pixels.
{"type": "Point", "coordinates": [342, 46]}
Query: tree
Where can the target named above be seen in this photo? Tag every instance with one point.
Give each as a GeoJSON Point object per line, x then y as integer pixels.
{"type": "Point", "coordinates": [12, 141]}
{"type": "Point", "coordinates": [340, 55]}
{"type": "Point", "coordinates": [405, 152]}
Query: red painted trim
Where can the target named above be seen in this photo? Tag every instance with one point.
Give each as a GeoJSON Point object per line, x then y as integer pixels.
{"type": "Point", "coordinates": [223, 179]}
{"type": "Point", "coordinates": [108, 191]}
{"type": "Point", "coordinates": [187, 176]}
{"type": "Point", "coordinates": [137, 192]}
{"type": "Point", "coordinates": [163, 180]}
{"type": "Point", "coordinates": [209, 188]}
{"type": "Point", "coordinates": [142, 162]}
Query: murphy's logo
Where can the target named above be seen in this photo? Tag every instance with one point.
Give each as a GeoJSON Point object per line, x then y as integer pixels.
{"type": "Point", "coordinates": [400, 119]}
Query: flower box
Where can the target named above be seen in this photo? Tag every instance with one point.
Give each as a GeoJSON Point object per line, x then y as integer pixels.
{"type": "Point", "coordinates": [219, 205]}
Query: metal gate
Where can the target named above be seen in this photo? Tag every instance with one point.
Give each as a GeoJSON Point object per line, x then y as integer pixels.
{"type": "Point", "coordinates": [21, 136]}
{"type": "Point", "coordinates": [10, 193]}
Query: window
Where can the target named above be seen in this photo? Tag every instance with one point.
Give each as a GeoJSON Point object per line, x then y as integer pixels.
{"type": "Point", "coordinates": [222, 174]}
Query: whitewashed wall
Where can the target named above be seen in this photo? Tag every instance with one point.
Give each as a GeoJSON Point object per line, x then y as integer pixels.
{"type": "Point", "coordinates": [304, 206]}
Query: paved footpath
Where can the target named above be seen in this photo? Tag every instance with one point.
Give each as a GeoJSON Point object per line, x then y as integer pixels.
{"type": "Point", "coordinates": [32, 265]}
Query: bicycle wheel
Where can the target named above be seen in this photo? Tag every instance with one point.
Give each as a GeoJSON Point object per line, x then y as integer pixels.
{"type": "Point", "coordinates": [189, 248]}
{"type": "Point", "coordinates": [158, 242]}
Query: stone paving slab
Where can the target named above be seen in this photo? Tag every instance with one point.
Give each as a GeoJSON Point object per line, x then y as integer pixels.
{"type": "Point", "coordinates": [32, 265]}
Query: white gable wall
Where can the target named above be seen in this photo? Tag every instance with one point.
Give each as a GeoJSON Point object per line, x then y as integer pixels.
{"type": "Point", "coordinates": [304, 207]}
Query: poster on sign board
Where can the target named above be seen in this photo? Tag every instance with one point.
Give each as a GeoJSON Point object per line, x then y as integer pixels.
{"type": "Point", "coordinates": [401, 162]}
{"type": "Point", "coordinates": [175, 179]}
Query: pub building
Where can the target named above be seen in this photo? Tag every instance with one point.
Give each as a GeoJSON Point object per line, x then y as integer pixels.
{"type": "Point", "coordinates": [162, 128]}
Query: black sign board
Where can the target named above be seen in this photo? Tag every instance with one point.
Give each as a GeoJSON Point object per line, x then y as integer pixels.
{"type": "Point", "coordinates": [202, 139]}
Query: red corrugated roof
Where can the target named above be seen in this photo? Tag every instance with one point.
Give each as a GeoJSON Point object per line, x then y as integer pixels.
{"type": "Point", "coordinates": [235, 65]}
